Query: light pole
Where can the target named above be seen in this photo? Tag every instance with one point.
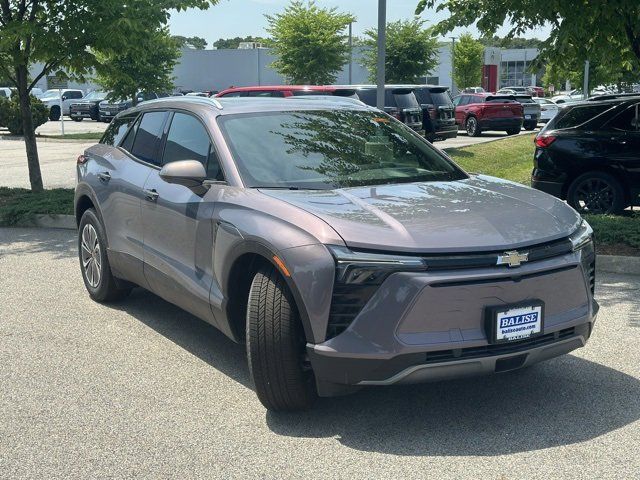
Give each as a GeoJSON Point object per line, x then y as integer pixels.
{"type": "Point", "coordinates": [453, 53]}
{"type": "Point", "coordinates": [382, 40]}
{"type": "Point", "coordinates": [350, 53]}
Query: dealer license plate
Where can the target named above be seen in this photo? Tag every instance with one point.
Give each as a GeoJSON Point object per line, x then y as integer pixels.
{"type": "Point", "coordinates": [517, 323]}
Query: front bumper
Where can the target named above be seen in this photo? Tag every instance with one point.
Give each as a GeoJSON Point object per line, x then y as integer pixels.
{"type": "Point", "coordinates": [428, 326]}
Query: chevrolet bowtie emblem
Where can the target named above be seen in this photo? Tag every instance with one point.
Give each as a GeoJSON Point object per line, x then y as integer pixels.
{"type": "Point", "coordinates": [512, 258]}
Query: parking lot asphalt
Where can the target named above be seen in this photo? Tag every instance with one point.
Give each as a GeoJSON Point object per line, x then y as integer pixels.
{"type": "Point", "coordinates": [141, 389]}
{"type": "Point", "coordinates": [58, 158]}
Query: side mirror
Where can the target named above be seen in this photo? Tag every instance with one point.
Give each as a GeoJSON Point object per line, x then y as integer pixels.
{"type": "Point", "coordinates": [64, 97]}
{"type": "Point", "coordinates": [189, 173]}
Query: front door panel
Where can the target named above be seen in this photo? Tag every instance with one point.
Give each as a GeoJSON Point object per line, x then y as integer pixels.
{"type": "Point", "coordinates": [178, 245]}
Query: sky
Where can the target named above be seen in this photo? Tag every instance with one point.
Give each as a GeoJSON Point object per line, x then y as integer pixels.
{"type": "Point", "coordinates": [240, 18]}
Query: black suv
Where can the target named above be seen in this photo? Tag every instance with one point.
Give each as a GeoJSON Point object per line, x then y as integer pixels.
{"type": "Point", "coordinates": [438, 112]}
{"type": "Point", "coordinates": [87, 106]}
{"type": "Point", "coordinates": [399, 102]}
{"type": "Point", "coordinates": [589, 154]}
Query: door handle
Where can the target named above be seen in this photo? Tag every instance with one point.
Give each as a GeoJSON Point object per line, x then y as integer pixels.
{"type": "Point", "coordinates": [151, 195]}
{"type": "Point", "coordinates": [104, 176]}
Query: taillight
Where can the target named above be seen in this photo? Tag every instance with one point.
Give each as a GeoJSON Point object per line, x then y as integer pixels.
{"type": "Point", "coordinates": [544, 141]}
{"type": "Point", "coordinates": [82, 160]}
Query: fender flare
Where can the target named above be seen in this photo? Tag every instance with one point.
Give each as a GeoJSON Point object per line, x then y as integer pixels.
{"type": "Point", "coordinates": [267, 252]}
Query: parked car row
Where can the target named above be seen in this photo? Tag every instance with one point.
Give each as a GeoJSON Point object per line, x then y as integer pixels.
{"type": "Point", "coordinates": [589, 154]}
{"type": "Point", "coordinates": [425, 108]}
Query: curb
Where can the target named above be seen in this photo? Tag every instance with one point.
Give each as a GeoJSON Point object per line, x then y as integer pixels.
{"type": "Point", "coordinates": [497, 139]}
{"type": "Point", "coordinates": [618, 264]}
{"type": "Point", "coordinates": [65, 222]}
{"type": "Point", "coordinates": [39, 139]}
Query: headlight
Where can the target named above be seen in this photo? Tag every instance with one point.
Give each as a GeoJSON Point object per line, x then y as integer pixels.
{"type": "Point", "coordinates": [582, 236]}
{"type": "Point", "coordinates": [370, 268]}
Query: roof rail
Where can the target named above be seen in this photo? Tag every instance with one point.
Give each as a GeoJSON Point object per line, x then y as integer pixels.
{"type": "Point", "coordinates": [208, 100]}
{"type": "Point", "coordinates": [612, 96]}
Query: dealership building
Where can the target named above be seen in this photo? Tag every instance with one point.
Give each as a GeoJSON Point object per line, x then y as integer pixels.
{"type": "Point", "coordinates": [199, 70]}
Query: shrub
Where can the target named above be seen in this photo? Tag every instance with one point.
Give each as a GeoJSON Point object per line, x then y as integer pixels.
{"type": "Point", "coordinates": [10, 114]}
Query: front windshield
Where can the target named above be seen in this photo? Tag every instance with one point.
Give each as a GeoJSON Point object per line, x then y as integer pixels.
{"type": "Point", "coordinates": [51, 94]}
{"type": "Point", "coordinates": [327, 149]}
{"type": "Point", "coordinates": [96, 96]}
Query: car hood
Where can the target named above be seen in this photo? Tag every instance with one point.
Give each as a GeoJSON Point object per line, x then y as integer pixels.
{"type": "Point", "coordinates": [477, 214]}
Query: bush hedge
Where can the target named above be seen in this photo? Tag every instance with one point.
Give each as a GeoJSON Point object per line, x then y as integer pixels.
{"type": "Point", "coordinates": [11, 118]}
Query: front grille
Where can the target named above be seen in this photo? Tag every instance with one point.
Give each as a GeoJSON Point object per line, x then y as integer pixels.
{"type": "Point", "coordinates": [498, 349]}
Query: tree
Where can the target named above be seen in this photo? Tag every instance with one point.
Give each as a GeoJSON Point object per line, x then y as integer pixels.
{"type": "Point", "coordinates": [411, 51]}
{"type": "Point", "coordinates": [197, 43]}
{"type": "Point", "coordinates": [595, 31]}
{"type": "Point", "coordinates": [148, 68]}
{"type": "Point", "coordinates": [234, 43]}
{"type": "Point", "coordinates": [66, 36]}
{"type": "Point", "coordinates": [310, 42]}
{"type": "Point", "coordinates": [506, 42]}
{"type": "Point", "coordinates": [467, 62]}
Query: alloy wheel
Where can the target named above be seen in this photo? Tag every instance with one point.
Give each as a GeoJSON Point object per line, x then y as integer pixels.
{"type": "Point", "coordinates": [91, 255]}
{"type": "Point", "coordinates": [471, 126]}
{"type": "Point", "coordinates": [595, 195]}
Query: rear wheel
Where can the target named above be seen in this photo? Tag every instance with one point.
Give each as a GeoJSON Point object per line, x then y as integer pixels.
{"type": "Point", "coordinates": [94, 263]}
{"type": "Point", "coordinates": [472, 127]}
{"type": "Point", "coordinates": [596, 192]}
{"type": "Point", "coordinates": [276, 346]}
{"type": "Point", "coordinates": [513, 131]}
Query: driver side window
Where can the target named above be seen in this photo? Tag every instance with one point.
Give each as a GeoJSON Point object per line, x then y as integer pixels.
{"type": "Point", "coordinates": [188, 140]}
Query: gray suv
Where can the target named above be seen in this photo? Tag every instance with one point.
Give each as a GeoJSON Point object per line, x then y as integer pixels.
{"type": "Point", "coordinates": [333, 240]}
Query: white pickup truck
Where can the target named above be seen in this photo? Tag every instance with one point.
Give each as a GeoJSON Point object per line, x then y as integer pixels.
{"type": "Point", "coordinates": [51, 99]}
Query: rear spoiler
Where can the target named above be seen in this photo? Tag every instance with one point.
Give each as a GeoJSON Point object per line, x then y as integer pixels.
{"type": "Point", "coordinates": [500, 97]}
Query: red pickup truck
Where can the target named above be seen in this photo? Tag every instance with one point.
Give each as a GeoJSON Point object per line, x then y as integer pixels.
{"type": "Point", "coordinates": [476, 112]}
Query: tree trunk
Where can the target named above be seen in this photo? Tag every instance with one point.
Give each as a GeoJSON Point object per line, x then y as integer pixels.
{"type": "Point", "coordinates": [35, 176]}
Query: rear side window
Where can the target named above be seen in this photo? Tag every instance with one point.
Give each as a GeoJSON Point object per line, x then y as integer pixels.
{"type": "Point", "coordinates": [628, 121]}
{"type": "Point", "coordinates": [576, 116]}
{"type": "Point", "coordinates": [117, 130]}
{"type": "Point", "coordinates": [145, 145]}
{"type": "Point", "coordinates": [188, 140]}
{"type": "Point", "coordinates": [234, 94]}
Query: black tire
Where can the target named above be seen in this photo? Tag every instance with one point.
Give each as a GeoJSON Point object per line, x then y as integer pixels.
{"type": "Point", "coordinates": [77, 119]}
{"type": "Point", "coordinates": [54, 113]}
{"type": "Point", "coordinates": [276, 345]}
{"type": "Point", "coordinates": [106, 288]}
{"type": "Point", "coordinates": [513, 131]}
{"type": "Point", "coordinates": [596, 192]}
{"type": "Point", "coordinates": [530, 127]}
{"type": "Point", "coordinates": [472, 127]}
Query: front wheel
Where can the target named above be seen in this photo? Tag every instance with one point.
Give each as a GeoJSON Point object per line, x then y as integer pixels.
{"type": "Point", "coordinates": [472, 127]}
{"type": "Point", "coordinates": [54, 113]}
{"type": "Point", "coordinates": [276, 347]}
{"type": "Point", "coordinates": [94, 263]}
{"type": "Point", "coordinates": [513, 131]}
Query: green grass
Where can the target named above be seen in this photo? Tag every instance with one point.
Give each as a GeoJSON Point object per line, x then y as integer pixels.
{"type": "Point", "coordinates": [19, 204]}
{"type": "Point", "coordinates": [617, 234]}
{"type": "Point", "coordinates": [76, 136]}
{"type": "Point", "coordinates": [511, 158]}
